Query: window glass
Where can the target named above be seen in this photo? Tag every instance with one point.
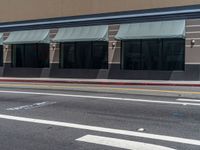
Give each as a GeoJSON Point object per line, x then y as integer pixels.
{"type": "Point", "coordinates": [131, 55]}
{"type": "Point", "coordinates": [151, 54]}
{"type": "Point", "coordinates": [18, 58]}
{"type": "Point", "coordinates": [100, 55]}
{"type": "Point", "coordinates": [173, 54]}
{"type": "Point", "coordinates": [84, 55]}
{"type": "Point", "coordinates": [30, 55]}
{"type": "Point", "coordinates": [154, 54]}
{"type": "Point", "coordinates": [68, 55]}
{"type": "Point", "coordinates": [1, 55]}
{"type": "Point", "coordinates": [43, 55]}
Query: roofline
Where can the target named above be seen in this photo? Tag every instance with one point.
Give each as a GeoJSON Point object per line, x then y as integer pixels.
{"type": "Point", "coordinates": [184, 12]}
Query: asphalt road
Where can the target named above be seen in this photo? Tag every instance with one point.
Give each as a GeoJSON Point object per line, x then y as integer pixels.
{"type": "Point", "coordinates": [36, 118]}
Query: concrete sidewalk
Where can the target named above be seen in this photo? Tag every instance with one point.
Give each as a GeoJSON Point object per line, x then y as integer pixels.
{"type": "Point", "coordinates": [103, 81]}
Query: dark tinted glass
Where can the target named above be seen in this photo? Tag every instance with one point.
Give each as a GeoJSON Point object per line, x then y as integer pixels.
{"type": "Point", "coordinates": [100, 55]}
{"type": "Point", "coordinates": [131, 55]}
{"type": "Point", "coordinates": [84, 55]}
{"type": "Point", "coordinates": [67, 55]}
{"type": "Point", "coordinates": [30, 55]}
{"type": "Point", "coordinates": [151, 54]}
{"type": "Point", "coordinates": [43, 55]}
{"type": "Point", "coordinates": [155, 54]}
{"type": "Point", "coordinates": [173, 54]}
{"type": "Point", "coordinates": [1, 55]}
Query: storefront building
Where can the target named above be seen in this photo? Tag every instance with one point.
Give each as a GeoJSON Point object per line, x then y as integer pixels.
{"type": "Point", "coordinates": [152, 40]}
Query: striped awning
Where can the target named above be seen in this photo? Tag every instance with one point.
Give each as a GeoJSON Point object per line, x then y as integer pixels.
{"type": "Point", "coordinates": [85, 33]}
{"type": "Point", "coordinates": [152, 30]}
{"type": "Point", "coordinates": [1, 38]}
{"type": "Point", "coordinates": [28, 36]}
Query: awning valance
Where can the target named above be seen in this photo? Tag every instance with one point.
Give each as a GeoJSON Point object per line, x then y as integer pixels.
{"type": "Point", "coordinates": [85, 33]}
{"type": "Point", "coordinates": [152, 30]}
{"type": "Point", "coordinates": [1, 38]}
{"type": "Point", "coordinates": [28, 36]}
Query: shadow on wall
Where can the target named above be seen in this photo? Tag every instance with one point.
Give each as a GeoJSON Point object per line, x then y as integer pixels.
{"type": "Point", "coordinates": [192, 72]}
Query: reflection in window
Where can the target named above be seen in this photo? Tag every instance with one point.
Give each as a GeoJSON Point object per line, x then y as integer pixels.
{"type": "Point", "coordinates": [30, 55]}
{"type": "Point", "coordinates": [154, 54]}
{"type": "Point", "coordinates": [84, 55]}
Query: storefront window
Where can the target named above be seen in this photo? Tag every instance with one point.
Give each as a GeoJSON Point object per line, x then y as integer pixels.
{"type": "Point", "coordinates": [155, 54]}
{"type": "Point", "coordinates": [30, 55]}
{"type": "Point", "coordinates": [84, 55]}
{"type": "Point", "coordinates": [1, 55]}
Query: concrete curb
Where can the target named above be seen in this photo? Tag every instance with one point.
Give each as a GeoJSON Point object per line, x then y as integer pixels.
{"type": "Point", "coordinates": [100, 82]}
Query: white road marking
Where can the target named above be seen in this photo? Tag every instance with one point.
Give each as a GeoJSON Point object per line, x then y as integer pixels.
{"type": "Point", "coordinates": [105, 130]}
{"type": "Point", "coordinates": [119, 143]}
{"type": "Point", "coordinates": [102, 97]}
{"type": "Point", "coordinates": [35, 105]}
{"type": "Point", "coordinates": [188, 100]}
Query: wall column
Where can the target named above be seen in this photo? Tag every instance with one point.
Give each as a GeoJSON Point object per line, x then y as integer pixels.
{"type": "Point", "coordinates": [114, 47]}
{"type": "Point", "coordinates": [7, 55]}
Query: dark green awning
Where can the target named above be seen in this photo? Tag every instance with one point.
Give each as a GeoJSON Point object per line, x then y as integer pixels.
{"type": "Point", "coordinates": [28, 36]}
{"type": "Point", "coordinates": [1, 38]}
{"type": "Point", "coordinates": [85, 33]}
{"type": "Point", "coordinates": [152, 30]}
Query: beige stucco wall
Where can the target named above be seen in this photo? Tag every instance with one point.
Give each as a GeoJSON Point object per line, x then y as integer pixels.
{"type": "Point", "coordinates": [14, 10]}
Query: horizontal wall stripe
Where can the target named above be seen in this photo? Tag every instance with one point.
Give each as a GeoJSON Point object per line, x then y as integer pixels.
{"type": "Point", "coordinates": [197, 25]}
{"type": "Point", "coordinates": [192, 38]}
{"type": "Point", "coordinates": [114, 47]}
{"type": "Point", "coordinates": [188, 42]}
{"type": "Point", "coordinates": [192, 29]}
{"type": "Point", "coordinates": [193, 32]}
{"type": "Point", "coordinates": [189, 46]}
{"type": "Point", "coordinates": [193, 22]}
{"type": "Point", "coordinates": [193, 63]}
{"type": "Point", "coordinates": [113, 62]}
{"type": "Point", "coordinates": [114, 30]}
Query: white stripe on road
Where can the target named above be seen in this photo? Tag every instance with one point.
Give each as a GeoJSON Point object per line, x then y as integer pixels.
{"type": "Point", "coordinates": [35, 105]}
{"type": "Point", "coordinates": [102, 97]}
{"type": "Point", "coordinates": [119, 143]}
{"type": "Point", "coordinates": [102, 129]}
{"type": "Point", "coordinates": [188, 100]}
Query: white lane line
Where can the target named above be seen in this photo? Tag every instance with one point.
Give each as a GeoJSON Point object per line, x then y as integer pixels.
{"type": "Point", "coordinates": [188, 100]}
{"type": "Point", "coordinates": [102, 97]}
{"type": "Point", "coordinates": [119, 143]}
{"type": "Point", "coordinates": [105, 130]}
{"type": "Point", "coordinates": [35, 105]}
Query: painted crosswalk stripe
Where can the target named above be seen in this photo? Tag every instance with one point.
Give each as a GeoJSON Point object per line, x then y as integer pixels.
{"type": "Point", "coordinates": [188, 100]}
{"type": "Point", "coordinates": [103, 129]}
{"type": "Point", "coordinates": [120, 143]}
{"type": "Point", "coordinates": [91, 97]}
